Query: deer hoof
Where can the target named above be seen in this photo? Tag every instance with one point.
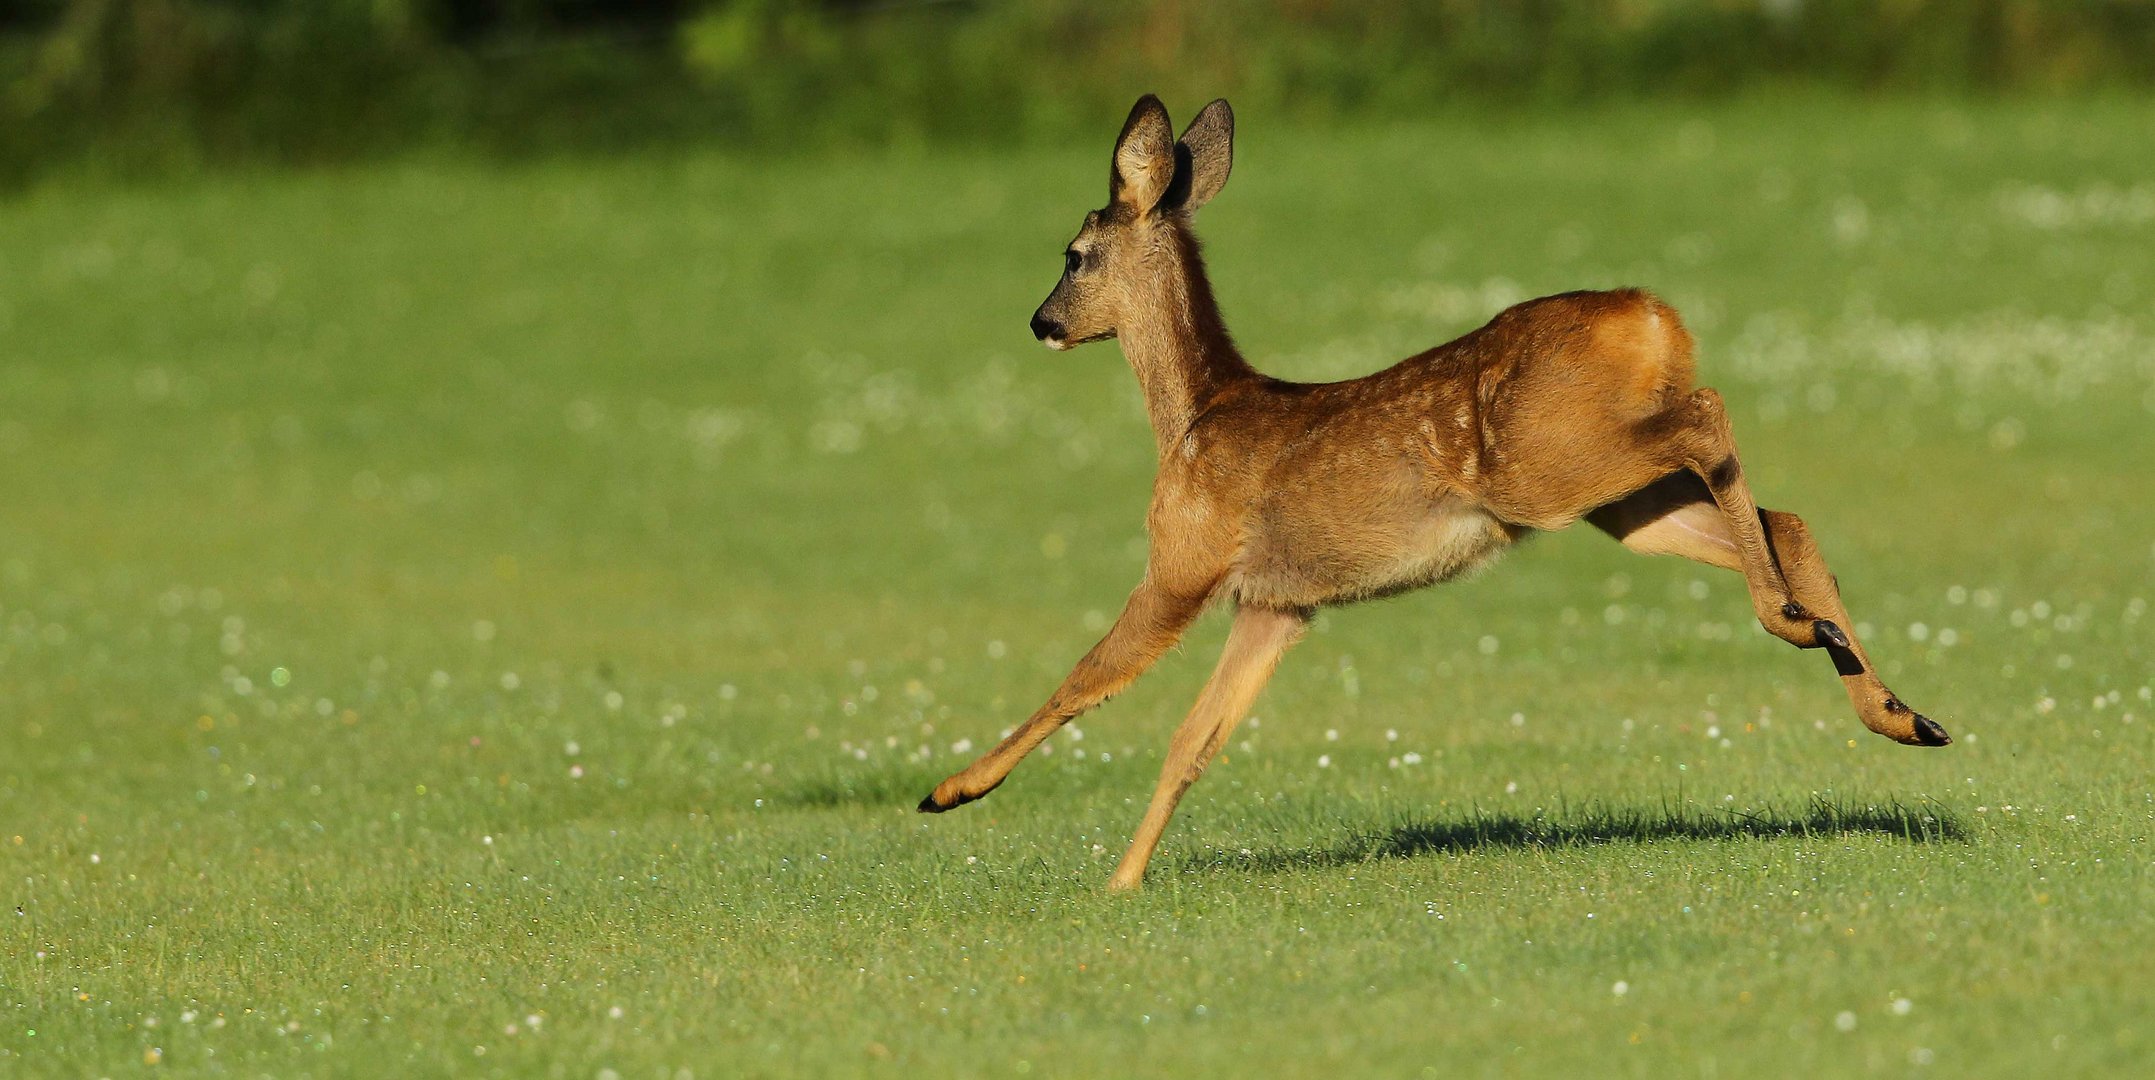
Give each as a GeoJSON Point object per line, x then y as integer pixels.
{"type": "Point", "coordinates": [1928, 733]}
{"type": "Point", "coordinates": [1830, 634]}
{"type": "Point", "coordinates": [936, 803]}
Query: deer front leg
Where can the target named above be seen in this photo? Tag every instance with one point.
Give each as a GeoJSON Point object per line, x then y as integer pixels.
{"type": "Point", "coordinates": [1151, 623]}
{"type": "Point", "coordinates": [1254, 646]}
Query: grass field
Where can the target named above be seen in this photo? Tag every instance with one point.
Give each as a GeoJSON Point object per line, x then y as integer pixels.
{"type": "Point", "coordinates": [458, 621]}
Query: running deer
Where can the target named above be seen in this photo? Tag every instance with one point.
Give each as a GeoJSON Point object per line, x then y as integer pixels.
{"type": "Point", "coordinates": [1282, 498]}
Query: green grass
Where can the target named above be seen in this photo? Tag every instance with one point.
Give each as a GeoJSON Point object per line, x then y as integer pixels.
{"type": "Point", "coordinates": [433, 598]}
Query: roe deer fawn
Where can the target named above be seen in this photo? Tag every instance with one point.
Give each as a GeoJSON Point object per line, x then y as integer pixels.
{"type": "Point", "coordinates": [1284, 497]}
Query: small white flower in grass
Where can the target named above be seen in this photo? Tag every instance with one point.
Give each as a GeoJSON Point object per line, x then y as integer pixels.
{"type": "Point", "coordinates": [1511, 787]}
{"type": "Point", "coordinates": [572, 749]}
{"type": "Point", "coordinates": [1391, 735]}
{"type": "Point", "coordinates": [961, 746]}
{"type": "Point", "coordinates": [1488, 645]}
{"type": "Point", "coordinates": [1918, 632]}
{"type": "Point", "coordinates": [1901, 1006]}
{"type": "Point", "coordinates": [95, 858]}
{"type": "Point", "coordinates": [1621, 988]}
{"type": "Point", "coordinates": [187, 1017]}
{"type": "Point", "coordinates": [533, 1021]}
{"type": "Point", "coordinates": [616, 1013]}
{"type": "Point", "coordinates": [971, 859]}
{"type": "Point", "coordinates": [1331, 734]}
{"type": "Point", "coordinates": [487, 840]}
{"type": "Point", "coordinates": [576, 772]}
{"type": "Point", "coordinates": [1411, 758]}
{"type": "Point", "coordinates": [1846, 1021]}
{"type": "Point", "coordinates": [1324, 761]}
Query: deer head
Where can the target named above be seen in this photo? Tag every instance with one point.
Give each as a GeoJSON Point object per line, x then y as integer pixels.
{"type": "Point", "coordinates": [1155, 182]}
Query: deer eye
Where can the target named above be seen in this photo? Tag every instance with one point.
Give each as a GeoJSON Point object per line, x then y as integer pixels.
{"type": "Point", "coordinates": [1072, 261]}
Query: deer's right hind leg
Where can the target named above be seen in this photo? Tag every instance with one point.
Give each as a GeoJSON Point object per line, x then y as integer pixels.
{"type": "Point", "coordinates": [1678, 515]}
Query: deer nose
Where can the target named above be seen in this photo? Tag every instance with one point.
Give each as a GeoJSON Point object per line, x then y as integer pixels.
{"type": "Point", "coordinates": [1044, 329]}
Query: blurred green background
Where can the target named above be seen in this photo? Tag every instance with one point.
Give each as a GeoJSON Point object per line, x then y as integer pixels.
{"type": "Point", "coordinates": [504, 509]}
{"type": "Point", "coordinates": [159, 84]}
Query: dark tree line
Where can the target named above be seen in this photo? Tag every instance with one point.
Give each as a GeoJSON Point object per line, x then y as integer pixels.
{"type": "Point", "coordinates": [155, 84]}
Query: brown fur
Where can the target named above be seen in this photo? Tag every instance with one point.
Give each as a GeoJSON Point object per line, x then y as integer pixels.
{"type": "Point", "coordinates": [1284, 497]}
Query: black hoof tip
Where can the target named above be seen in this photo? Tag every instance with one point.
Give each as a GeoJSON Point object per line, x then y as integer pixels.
{"type": "Point", "coordinates": [930, 806]}
{"type": "Point", "coordinates": [1928, 733]}
{"type": "Point", "coordinates": [1831, 634]}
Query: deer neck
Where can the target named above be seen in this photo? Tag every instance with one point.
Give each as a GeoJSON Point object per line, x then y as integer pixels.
{"type": "Point", "coordinates": [1178, 344]}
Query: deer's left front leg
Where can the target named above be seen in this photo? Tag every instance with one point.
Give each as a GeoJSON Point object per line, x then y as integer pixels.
{"type": "Point", "coordinates": [1151, 623]}
{"type": "Point", "coordinates": [1254, 647]}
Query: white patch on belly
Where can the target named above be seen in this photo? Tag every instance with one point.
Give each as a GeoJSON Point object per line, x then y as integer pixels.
{"type": "Point", "coordinates": [1452, 540]}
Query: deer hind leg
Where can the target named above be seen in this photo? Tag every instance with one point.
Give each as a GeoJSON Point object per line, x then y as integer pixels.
{"type": "Point", "coordinates": [1678, 515]}
{"type": "Point", "coordinates": [1254, 646]}
{"type": "Point", "coordinates": [1701, 441]}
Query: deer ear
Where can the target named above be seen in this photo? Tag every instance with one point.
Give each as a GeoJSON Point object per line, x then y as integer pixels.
{"type": "Point", "coordinates": [1204, 155]}
{"type": "Point", "coordinates": [1144, 157]}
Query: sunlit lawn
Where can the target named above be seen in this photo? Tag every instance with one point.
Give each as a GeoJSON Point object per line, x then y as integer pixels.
{"type": "Point", "coordinates": [468, 620]}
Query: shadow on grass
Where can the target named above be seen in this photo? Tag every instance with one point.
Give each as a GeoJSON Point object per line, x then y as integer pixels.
{"type": "Point", "coordinates": [864, 787]}
{"type": "Point", "coordinates": [1481, 830]}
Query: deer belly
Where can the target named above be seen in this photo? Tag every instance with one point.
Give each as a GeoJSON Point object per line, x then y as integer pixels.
{"type": "Point", "coordinates": [1314, 562]}
{"type": "Point", "coordinates": [1450, 541]}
